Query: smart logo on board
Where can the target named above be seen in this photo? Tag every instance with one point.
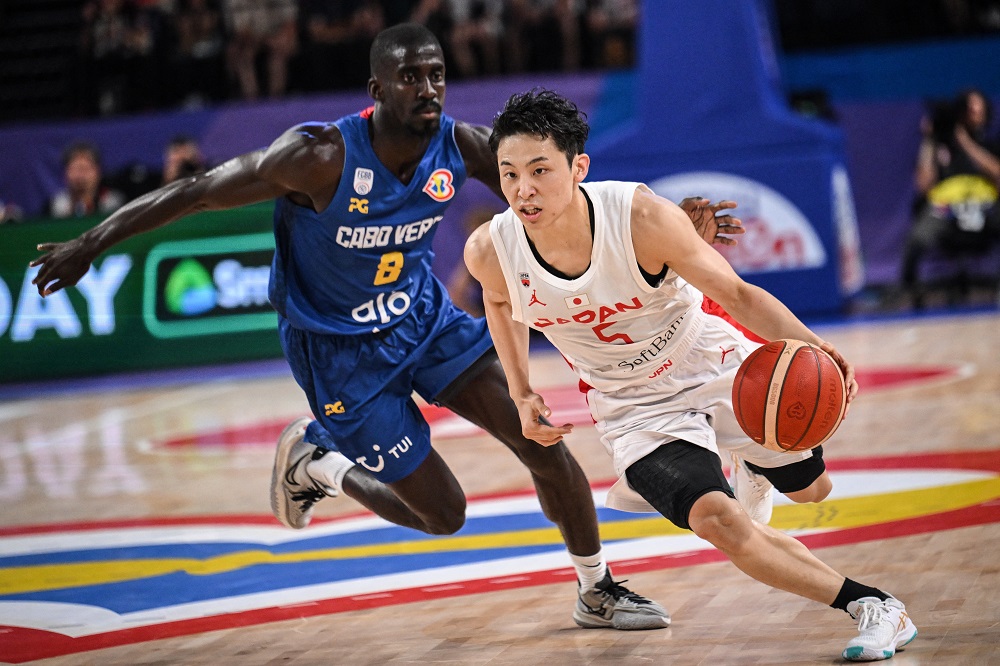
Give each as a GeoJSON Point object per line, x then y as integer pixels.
{"type": "Point", "coordinates": [208, 286]}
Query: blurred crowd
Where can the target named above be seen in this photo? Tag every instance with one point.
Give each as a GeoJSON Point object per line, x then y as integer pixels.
{"type": "Point", "coordinates": [147, 54]}
{"type": "Point", "coordinates": [821, 24]}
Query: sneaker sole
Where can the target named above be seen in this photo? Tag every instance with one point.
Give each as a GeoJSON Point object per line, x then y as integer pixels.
{"type": "Point", "coordinates": [596, 622]}
{"type": "Point", "coordinates": [591, 621]}
{"type": "Point", "coordinates": [279, 504]}
{"type": "Point", "coordinates": [857, 652]}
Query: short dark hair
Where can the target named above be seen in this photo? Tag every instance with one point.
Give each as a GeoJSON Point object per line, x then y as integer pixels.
{"type": "Point", "coordinates": [545, 114]}
{"type": "Point", "coordinates": [405, 35]}
{"type": "Point", "coordinates": [81, 147]}
{"type": "Point", "coordinates": [181, 140]}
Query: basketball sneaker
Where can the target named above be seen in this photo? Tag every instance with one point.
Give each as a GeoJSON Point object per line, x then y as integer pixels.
{"type": "Point", "coordinates": [753, 491]}
{"type": "Point", "coordinates": [303, 474]}
{"type": "Point", "coordinates": [611, 604]}
{"type": "Point", "coordinates": [883, 627]}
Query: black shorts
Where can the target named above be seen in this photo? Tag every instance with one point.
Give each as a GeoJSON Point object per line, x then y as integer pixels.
{"type": "Point", "coordinates": [676, 474]}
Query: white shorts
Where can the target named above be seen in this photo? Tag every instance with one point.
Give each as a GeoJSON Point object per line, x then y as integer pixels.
{"type": "Point", "coordinates": [692, 402]}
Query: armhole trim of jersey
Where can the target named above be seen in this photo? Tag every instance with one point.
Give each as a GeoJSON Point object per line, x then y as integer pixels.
{"type": "Point", "coordinates": [500, 247]}
{"type": "Point", "coordinates": [633, 262]}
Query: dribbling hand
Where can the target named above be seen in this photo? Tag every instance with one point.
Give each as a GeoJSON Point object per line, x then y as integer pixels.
{"type": "Point", "coordinates": [535, 424]}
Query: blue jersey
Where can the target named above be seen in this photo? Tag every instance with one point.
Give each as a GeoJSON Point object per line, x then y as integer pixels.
{"type": "Point", "coordinates": [359, 265]}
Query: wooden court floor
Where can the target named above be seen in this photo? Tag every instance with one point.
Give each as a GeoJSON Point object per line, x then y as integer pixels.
{"type": "Point", "coordinates": [136, 530]}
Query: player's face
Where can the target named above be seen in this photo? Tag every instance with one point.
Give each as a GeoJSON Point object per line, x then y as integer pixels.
{"type": "Point", "coordinates": [410, 88]}
{"type": "Point", "coordinates": [536, 178]}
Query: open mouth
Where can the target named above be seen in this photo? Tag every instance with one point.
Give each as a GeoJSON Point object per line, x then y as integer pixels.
{"type": "Point", "coordinates": [530, 213]}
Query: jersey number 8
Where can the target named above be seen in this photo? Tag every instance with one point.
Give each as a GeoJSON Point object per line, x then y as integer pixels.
{"type": "Point", "coordinates": [389, 268]}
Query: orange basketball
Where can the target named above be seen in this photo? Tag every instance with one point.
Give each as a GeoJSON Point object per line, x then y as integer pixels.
{"type": "Point", "coordinates": [789, 395]}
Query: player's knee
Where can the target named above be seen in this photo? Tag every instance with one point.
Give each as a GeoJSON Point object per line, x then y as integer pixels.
{"type": "Point", "coordinates": [545, 462]}
{"type": "Point", "coordinates": [445, 523]}
{"type": "Point", "coordinates": [817, 491]}
{"type": "Point", "coordinates": [718, 519]}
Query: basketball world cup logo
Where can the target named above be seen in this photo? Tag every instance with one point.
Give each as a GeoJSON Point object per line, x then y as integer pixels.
{"type": "Point", "coordinates": [439, 186]}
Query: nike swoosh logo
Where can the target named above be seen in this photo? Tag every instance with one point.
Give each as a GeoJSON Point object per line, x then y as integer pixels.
{"type": "Point", "coordinates": [290, 480]}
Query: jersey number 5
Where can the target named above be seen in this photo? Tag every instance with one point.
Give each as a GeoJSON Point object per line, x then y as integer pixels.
{"type": "Point", "coordinates": [389, 268]}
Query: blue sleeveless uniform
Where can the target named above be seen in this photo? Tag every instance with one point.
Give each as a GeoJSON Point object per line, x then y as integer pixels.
{"type": "Point", "coordinates": [363, 320]}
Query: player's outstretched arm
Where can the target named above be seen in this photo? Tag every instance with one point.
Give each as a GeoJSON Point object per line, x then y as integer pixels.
{"type": "Point", "coordinates": [510, 339]}
{"type": "Point", "coordinates": [282, 168]}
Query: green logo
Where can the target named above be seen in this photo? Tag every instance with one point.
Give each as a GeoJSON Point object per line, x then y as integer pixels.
{"type": "Point", "coordinates": [189, 289]}
{"type": "Point", "coordinates": [208, 286]}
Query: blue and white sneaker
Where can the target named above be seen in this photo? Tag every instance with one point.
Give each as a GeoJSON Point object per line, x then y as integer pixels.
{"type": "Point", "coordinates": [883, 627]}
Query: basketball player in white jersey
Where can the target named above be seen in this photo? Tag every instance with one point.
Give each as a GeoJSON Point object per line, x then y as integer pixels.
{"type": "Point", "coordinates": [615, 277]}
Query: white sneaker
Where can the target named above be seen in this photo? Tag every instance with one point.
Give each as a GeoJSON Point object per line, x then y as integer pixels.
{"type": "Point", "coordinates": [302, 475]}
{"type": "Point", "coordinates": [612, 605]}
{"type": "Point", "coordinates": [753, 491]}
{"type": "Point", "coordinates": [883, 627]}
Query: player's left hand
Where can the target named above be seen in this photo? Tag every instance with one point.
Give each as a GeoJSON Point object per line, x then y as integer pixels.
{"type": "Point", "coordinates": [711, 226]}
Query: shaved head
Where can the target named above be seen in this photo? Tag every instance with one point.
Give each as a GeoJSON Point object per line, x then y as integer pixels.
{"type": "Point", "coordinates": [391, 43]}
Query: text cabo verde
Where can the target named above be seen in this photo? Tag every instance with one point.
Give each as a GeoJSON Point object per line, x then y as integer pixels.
{"type": "Point", "coordinates": [383, 236]}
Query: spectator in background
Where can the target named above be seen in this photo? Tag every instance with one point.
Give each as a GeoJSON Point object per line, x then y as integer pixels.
{"type": "Point", "coordinates": [182, 159]}
{"type": "Point", "coordinates": [337, 37]}
{"type": "Point", "coordinates": [199, 62]}
{"type": "Point", "coordinates": [255, 26]}
{"type": "Point", "coordinates": [10, 212]}
{"type": "Point", "coordinates": [475, 38]}
{"type": "Point", "coordinates": [957, 179]}
{"type": "Point", "coordinates": [84, 192]}
{"type": "Point", "coordinates": [543, 35]}
{"type": "Point", "coordinates": [436, 16]}
{"type": "Point", "coordinates": [121, 44]}
{"type": "Point", "coordinates": [610, 27]}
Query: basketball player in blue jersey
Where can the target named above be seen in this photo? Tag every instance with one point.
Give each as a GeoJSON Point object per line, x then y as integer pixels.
{"type": "Point", "coordinates": [363, 322]}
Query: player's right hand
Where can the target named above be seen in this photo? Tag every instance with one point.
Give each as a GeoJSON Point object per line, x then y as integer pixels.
{"type": "Point", "coordinates": [535, 424]}
{"type": "Point", "coordinates": [62, 265]}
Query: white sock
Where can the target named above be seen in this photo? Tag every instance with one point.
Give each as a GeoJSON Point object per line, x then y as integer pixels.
{"type": "Point", "coordinates": [329, 471]}
{"type": "Point", "coordinates": [590, 569]}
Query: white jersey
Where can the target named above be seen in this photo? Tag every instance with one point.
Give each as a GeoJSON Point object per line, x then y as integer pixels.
{"type": "Point", "coordinates": [610, 324]}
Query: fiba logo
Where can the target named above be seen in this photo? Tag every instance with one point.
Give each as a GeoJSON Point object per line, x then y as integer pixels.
{"type": "Point", "coordinates": [363, 179]}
